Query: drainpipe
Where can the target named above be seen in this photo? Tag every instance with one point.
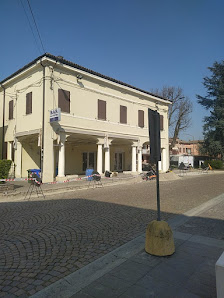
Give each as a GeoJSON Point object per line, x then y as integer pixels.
{"type": "Point", "coordinates": [43, 118]}
{"type": "Point", "coordinates": [3, 121]}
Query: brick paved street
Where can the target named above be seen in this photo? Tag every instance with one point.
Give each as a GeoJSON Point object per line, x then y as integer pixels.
{"type": "Point", "coordinates": [43, 241]}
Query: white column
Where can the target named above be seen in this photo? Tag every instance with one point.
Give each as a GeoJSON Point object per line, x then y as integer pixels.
{"type": "Point", "coordinates": [164, 163]}
{"type": "Point", "coordinates": [9, 150]}
{"type": "Point", "coordinates": [159, 165]}
{"type": "Point", "coordinates": [99, 158]}
{"type": "Point", "coordinates": [107, 158]}
{"type": "Point", "coordinates": [133, 167]}
{"type": "Point", "coordinates": [140, 159]}
{"type": "Point", "coordinates": [18, 170]}
{"type": "Point", "coordinates": [61, 160]}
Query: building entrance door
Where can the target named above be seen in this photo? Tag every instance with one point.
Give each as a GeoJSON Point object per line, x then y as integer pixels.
{"type": "Point", "coordinates": [118, 162]}
{"type": "Point", "coordinates": [88, 160]}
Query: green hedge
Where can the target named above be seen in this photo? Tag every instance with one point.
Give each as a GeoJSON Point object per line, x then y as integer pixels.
{"type": "Point", "coordinates": [4, 168]}
{"type": "Point", "coordinates": [215, 164]}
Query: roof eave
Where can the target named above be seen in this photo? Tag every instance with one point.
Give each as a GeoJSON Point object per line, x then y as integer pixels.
{"type": "Point", "coordinates": [76, 66]}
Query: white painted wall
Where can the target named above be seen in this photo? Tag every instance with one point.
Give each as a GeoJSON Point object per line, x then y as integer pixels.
{"type": "Point", "coordinates": [84, 96]}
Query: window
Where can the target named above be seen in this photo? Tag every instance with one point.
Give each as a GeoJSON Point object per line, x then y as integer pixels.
{"type": "Point", "coordinates": [64, 100]}
{"type": "Point", "coordinates": [183, 150]}
{"type": "Point", "coordinates": [188, 150]}
{"type": "Point", "coordinates": [11, 109]}
{"type": "Point", "coordinates": [101, 109]}
{"type": "Point", "coordinates": [118, 161]}
{"type": "Point", "coordinates": [123, 114]}
{"type": "Point", "coordinates": [29, 103]}
{"type": "Point", "coordinates": [161, 122]}
{"type": "Point", "coordinates": [140, 118]}
{"type": "Point", "coordinates": [88, 160]}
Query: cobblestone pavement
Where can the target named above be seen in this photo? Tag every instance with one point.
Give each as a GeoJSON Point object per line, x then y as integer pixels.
{"type": "Point", "coordinates": [43, 241]}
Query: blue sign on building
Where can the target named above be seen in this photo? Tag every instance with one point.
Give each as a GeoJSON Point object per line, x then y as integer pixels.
{"type": "Point", "coordinates": [55, 115]}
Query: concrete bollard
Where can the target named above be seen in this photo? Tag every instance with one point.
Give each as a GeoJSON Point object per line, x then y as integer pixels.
{"type": "Point", "coordinates": [159, 239]}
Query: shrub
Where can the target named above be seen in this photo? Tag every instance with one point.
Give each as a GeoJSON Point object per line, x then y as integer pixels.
{"type": "Point", "coordinates": [215, 164]}
{"type": "Point", "coordinates": [4, 168]}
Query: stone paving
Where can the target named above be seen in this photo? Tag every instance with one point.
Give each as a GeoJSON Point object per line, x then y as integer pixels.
{"type": "Point", "coordinates": [44, 240]}
{"type": "Point", "coordinates": [209, 223]}
{"type": "Point", "coordinates": [129, 271]}
{"type": "Point", "coordinates": [189, 273]}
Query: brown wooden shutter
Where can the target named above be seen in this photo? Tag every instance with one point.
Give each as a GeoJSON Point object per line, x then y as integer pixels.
{"type": "Point", "coordinates": [140, 118]}
{"type": "Point", "coordinates": [11, 109]}
{"type": "Point", "coordinates": [123, 114]}
{"type": "Point", "coordinates": [64, 100]}
{"type": "Point", "coordinates": [29, 103]}
{"type": "Point", "coordinates": [101, 109]}
{"type": "Point", "coordinates": [161, 122]}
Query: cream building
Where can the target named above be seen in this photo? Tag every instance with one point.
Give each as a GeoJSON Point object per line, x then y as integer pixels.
{"type": "Point", "coordinates": [104, 122]}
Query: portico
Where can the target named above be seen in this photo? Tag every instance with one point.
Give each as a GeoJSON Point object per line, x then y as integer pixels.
{"type": "Point", "coordinates": [77, 152]}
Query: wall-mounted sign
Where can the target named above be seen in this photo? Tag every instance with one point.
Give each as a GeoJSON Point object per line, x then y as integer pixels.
{"type": "Point", "coordinates": [55, 115]}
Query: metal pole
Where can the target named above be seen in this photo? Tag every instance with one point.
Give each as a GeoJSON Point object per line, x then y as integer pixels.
{"type": "Point", "coordinates": [157, 187]}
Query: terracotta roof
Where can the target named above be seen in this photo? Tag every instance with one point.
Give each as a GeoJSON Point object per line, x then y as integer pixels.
{"type": "Point", "coordinates": [69, 63]}
{"type": "Point", "coordinates": [179, 141]}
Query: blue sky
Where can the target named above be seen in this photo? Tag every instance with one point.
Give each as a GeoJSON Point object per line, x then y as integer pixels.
{"type": "Point", "coordinates": [145, 43]}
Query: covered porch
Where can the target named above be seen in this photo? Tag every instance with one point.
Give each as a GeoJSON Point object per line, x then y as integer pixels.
{"type": "Point", "coordinates": [77, 152]}
{"type": "Point", "coordinates": [27, 153]}
{"type": "Point", "coordinates": [73, 153]}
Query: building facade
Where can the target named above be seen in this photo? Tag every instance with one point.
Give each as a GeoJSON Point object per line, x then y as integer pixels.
{"type": "Point", "coordinates": [186, 147]}
{"type": "Point", "coordinates": [103, 122]}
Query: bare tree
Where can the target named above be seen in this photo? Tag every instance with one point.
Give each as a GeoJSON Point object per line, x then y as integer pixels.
{"type": "Point", "coordinates": [179, 112]}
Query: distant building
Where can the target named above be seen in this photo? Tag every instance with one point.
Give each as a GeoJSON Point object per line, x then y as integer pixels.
{"type": "Point", "coordinates": [186, 147]}
{"type": "Point", "coordinates": [187, 152]}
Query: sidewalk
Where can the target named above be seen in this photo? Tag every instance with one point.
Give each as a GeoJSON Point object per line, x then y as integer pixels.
{"type": "Point", "coordinates": [130, 272]}
{"type": "Point", "coordinates": [18, 190]}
